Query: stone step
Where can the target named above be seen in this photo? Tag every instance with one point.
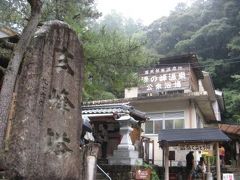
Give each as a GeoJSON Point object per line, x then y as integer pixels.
{"type": "Point", "coordinates": [125, 153]}
{"type": "Point", "coordinates": [100, 176]}
{"type": "Point", "coordinates": [102, 161]}
{"type": "Point", "coordinates": [125, 161]}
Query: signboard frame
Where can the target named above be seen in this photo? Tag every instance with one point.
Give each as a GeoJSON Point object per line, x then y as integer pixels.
{"type": "Point", "coordinates": [165, 78]}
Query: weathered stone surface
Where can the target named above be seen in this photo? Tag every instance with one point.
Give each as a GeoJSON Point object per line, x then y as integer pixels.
{"type": "Point", "coordinates": [46, 130]}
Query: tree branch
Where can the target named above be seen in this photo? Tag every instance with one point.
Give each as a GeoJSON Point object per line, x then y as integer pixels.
{"type": "Point", "coordinates": [14, 64]}
{"type": "Point", "coordinates": [36, 6]}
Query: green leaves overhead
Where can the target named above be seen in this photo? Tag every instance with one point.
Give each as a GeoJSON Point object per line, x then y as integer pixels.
{"type": "Point", "coordinates": [114, 52]}
{"type": "Point", "coordinates": [14, 13]}
{"type": "Point", "coordinates": [112, 61]}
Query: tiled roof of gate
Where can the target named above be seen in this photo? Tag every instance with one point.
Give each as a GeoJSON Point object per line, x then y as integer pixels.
{"type": "Point", "coordinates": [102, 109]}
{"type": "Point", "coordinates": [197, 135]}
{"type": "Point", "coordinates": [113, 108]}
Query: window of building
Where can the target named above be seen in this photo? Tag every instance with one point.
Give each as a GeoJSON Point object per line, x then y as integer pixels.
{"type": "Point", "coordinates": [164, 120]}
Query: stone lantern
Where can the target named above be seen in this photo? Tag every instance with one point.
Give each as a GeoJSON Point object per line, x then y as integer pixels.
{"type": "Point", "coordinates": [125, 153]}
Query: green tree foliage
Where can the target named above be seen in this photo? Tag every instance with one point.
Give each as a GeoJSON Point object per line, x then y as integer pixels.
{"type": "Point", "coordinates": [78, 13]}
{"type": "Point", "coordinates": [210, 40]}
{"type": "Point", "coordinates": [14, 13]}
{"type": "Point", "coordinates": [114, 53]}
{"type": "Point", "coordinates": [210, 28]}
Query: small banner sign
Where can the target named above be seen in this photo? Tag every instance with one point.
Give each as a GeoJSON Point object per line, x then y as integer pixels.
{"type": "Point", "coordinates": [203, 147]}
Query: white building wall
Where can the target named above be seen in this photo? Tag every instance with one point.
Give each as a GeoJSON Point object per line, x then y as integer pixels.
{"type": "Point", "coordinates": [158, 108]}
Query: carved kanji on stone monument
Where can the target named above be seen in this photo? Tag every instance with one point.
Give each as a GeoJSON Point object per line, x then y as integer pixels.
{"type": "Point", "coordinates": [57, 143]}
{"type": "Point", "coordinates": [63, 58]}
{"type": "Point", "coordinates": [46, 129]}
{"type": "Point", "coordinates": [60, 100]}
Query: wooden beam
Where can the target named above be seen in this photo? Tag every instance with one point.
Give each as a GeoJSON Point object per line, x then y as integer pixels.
{"type": "Point", "coordinates": [152, 151]}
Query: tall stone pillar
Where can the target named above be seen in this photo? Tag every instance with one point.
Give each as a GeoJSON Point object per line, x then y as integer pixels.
{"type": "Point", "coordinates": [44, 142]}
{"type": "Point", "coordinates": [125, 154]}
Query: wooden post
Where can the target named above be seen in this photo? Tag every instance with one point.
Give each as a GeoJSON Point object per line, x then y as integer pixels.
{"type": "Point", "coordinates": [152, 151]}
{"type": "Point", "coordinates": [237, 154]}
{"type": "Point", "coordinates": [218, 162]}
{"type": "Point", "coordinates": [166, 161]}
{"type": "Point", "coordinates": [163, 161]}
{"type": "Point", "coordinates": [208, 165]}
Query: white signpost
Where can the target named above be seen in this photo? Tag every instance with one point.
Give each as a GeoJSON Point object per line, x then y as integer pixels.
{"type": "Point", "coordinates": [228, 176]}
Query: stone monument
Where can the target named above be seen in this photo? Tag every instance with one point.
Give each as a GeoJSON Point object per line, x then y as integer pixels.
{"type": "Point", "coordinates": [44, 142]}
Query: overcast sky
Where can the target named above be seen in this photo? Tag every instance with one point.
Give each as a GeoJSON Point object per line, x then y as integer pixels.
{"type": "Point", "coordinates": [145, 10]}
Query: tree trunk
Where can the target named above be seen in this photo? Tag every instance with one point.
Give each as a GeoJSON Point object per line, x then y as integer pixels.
{"type": "Point", "coordinates": [14, 64]}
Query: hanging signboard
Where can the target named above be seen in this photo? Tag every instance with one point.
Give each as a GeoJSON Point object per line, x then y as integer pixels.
{"type": "Point", "coordinates": [164, 78]}
{"type": "Point", "coordinates": [144, 174]}
{"type": "Point", "coordinates": [203, 147]}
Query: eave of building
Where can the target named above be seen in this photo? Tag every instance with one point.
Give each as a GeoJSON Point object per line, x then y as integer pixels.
{"type": "Point", "coordinates": [220, 99]}
{"type": "Point", "coordinates": [213, 94]}
{"type": "Point", "coordinates": [190, 59]}
{"type": "Point", "coordinates": [208, 86]}
{"type": "Point", "coordinates": [202, 100]}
